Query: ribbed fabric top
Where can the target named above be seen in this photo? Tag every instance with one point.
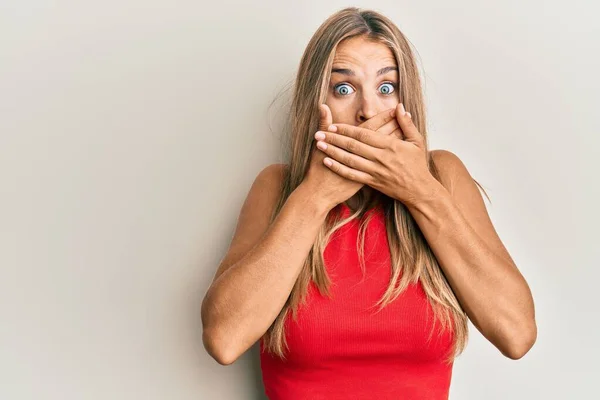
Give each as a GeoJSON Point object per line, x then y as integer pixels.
{"type": "Point", "coordinates": [339, 348]}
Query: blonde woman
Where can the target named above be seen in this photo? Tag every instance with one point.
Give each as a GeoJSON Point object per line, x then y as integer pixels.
{"type": "Point", "coordinates": [358, 264]}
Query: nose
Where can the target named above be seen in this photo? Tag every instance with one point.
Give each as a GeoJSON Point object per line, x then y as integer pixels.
{"type": "Point", "coordinates": [370, 105]}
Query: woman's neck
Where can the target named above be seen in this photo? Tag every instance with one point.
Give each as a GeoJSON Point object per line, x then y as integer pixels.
{"type": "Point", "coordinates": [353, 202]}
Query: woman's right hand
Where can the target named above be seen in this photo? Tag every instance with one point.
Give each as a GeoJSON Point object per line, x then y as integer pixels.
{"type": "Point", "coordinates": [326, 184]}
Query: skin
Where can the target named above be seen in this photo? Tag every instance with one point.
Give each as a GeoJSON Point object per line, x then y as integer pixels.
{"type": "Point", "coordinates": [356, 92]}
{"type": "Point", "coordinates": [254, 279]}
{"type": "Point", "coordinates": [450, 212]}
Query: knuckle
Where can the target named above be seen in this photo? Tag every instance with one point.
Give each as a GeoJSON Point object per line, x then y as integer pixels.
{"type": "Point", "coordinates": [352, 145]}
{"type": "Point", "coordinates": [362, 135]}
{"type": "Point", "coordinates": [387, 158]}
{"type": "Point", "coordinates": [348, 161]}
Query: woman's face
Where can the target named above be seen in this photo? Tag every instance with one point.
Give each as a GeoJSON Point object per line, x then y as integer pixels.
{"type": "Point", "coordinates": [364, 81]}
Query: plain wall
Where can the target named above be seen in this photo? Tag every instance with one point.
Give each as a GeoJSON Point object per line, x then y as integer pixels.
{"type": "Point", "coordinates": [131, 131]}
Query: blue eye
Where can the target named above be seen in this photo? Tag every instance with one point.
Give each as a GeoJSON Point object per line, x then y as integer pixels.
{"type": "Point", "coordinates": [390, 88]}
{"type": "Point", "coordinates": [344, 89]}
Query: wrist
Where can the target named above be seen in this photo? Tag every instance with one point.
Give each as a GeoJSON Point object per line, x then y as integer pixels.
{"type": "Point", "coordinates": [312, 200]}
{"type": "Point", "coordinates": [426, 194]}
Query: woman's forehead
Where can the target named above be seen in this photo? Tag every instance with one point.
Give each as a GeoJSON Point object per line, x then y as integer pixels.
{"type": "Point", "coordinates": [359, 51]}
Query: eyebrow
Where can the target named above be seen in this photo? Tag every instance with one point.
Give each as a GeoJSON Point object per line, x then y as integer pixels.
{"type": "Point", "coordinates": [346, 71]}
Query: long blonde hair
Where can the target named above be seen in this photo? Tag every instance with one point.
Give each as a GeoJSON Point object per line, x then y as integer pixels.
{"type": "Point", "coordinates": [411, 257]}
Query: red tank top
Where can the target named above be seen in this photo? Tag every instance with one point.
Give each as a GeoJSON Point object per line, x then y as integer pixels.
{"type": "Point", "coordinates": [340, 349]}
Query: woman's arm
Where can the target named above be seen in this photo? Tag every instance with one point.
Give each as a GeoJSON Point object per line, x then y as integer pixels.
{"type": "Point", "coordinates": [485, 279]}
{"type": "Point", "coordinates": [257, 275]}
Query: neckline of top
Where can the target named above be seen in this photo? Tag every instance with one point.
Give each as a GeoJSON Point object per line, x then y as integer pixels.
{"type": "Point", "coordinates": [348, 210]}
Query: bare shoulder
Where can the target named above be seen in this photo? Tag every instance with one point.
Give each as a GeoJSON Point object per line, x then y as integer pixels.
{"type": "Point", "coordinates": [267, 183]}
{"type": "Point", "coordinates": [466, 195]}
{"type": "Point", "coordinates": [450, 167]}
{"type": "Point", "coordinates": [254, 216]}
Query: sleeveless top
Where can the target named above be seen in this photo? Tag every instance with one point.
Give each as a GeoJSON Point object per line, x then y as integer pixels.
{"type": "Point", "coordinates": [339, 348]}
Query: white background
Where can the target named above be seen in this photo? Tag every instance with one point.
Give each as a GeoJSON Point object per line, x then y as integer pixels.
{"type": "Point", "coordinates": [131, 131]}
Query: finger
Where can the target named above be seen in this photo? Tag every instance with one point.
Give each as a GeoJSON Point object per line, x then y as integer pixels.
{"type": "Point", "coordinates": [350, 158]}
{"type": "Point", "coordinates": [325, 117]}
{"type": "Point", "coordinates": [398, 133]}
{"type": "Point", "coordinates": [378, 120]}
{"type": "Point", "coordinates": [363, 135]}
{"type": "Point", "coordinates": [389, 127]}
{"type": "Point", "coordinates": [410, 131]}
{"type": "Point", "coordinates": [342, 147]}
{"type": "Point", "coordinates": [347, 172]}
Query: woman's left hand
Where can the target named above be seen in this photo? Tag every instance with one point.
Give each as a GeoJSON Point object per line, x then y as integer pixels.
{"type": "Point", "coordinates": [392, 165]}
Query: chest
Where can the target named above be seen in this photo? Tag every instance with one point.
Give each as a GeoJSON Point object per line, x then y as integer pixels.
{"type": "Point", "coordinates": [347, 325]}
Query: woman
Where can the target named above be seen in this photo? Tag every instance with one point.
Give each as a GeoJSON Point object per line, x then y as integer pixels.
{"type": "Point", "coordinates": [358, 265]}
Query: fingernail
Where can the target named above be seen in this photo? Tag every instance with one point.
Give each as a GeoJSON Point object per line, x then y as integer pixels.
{"type": "Point", "coordinates": [409, 116]}
{"type": "Point", "coordinates": [392, 112]}
{"type": "Point", "coordinates": [402, 110]}
{"type": "Point", "coordinates": [319, 135]}
{"type": "Point", "coordinates": [332, 128]}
